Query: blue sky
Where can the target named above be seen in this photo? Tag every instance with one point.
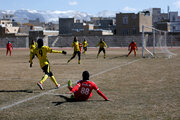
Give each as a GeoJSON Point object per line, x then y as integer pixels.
{"type": "Point", "coordinates": [90, 6]}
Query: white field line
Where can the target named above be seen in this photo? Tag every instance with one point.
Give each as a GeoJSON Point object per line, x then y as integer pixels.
{"type": "Point", "coordinates": [48, 92]}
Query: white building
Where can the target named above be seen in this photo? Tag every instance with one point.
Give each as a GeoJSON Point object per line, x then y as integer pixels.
{"type": "Point", "coordinates": [7, 24]}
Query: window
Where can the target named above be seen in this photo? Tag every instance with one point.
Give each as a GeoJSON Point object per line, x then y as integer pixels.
{"type": "Point", "coordinates": [174, 28]}
{"type": "Point", "coordinates": [174, 18]}
{"type": "Point", "coordinates": [125, 31]}
{"type": "Point", "coordinates": [125, 19]}
{"type": "Point", "coordinates": [133, 30]}
{"type": "Point", "coordinates": [134, 16]}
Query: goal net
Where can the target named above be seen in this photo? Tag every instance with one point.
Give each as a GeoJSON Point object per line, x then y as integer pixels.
{"type": "Point", "coordinates": [154, 43]}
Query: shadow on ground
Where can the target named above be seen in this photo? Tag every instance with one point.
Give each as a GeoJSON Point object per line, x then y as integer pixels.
{"type": "Point", "coordinates": [26, 91]}
{"type": "Point", "coordinates": [72, 100]}
{"type": "Point", "coordinates": [116, 57]}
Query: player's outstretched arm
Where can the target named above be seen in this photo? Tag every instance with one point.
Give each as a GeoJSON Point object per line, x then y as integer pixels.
{"type": "Point", "coordinates": [56, 51]}
{"type": "Point", "coordinates": [105, 45]}
{"type": "Point", "coordinates": [97, 45]}
{"type": "Point", "coordinates": [102, 95]}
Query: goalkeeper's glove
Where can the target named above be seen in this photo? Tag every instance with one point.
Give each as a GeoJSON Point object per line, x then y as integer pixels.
{"type": "Point", "coordinates": [64, 52]}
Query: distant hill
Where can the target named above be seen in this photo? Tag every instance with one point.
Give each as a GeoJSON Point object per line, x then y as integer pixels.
{"type": "Point", "coordinates": [24, 15]}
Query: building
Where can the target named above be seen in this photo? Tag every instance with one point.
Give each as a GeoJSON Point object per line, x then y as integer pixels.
{"type": "Point", "coordinates": [8, 16]}
{"type": "Point", "coordinates": [35, 22]}
{"type": "Point", "coordinates": [131, 23]}
{"type": "Point", "coordinates": [157, 16]}
{"type": "Point", "coordinates": [105, 23]}
{"type": "Point", "coordinates": [50, 26]}
{"type": "Point", "coordinates": [70, 26]}
{"type": "Point", "coordinates": [88, 30]}
{"type": "Point", "coordinates": [26, 27]}
{"type": "Point", "coordinates": [66, 25]}
{"type": "Point", "coordinates": [6, 27]}
{"type": "Point", "coordinates": [171, 25]}
{"type": "Point", "coordinates": [36, 34]}
{"type": "Point", "coordinates": [173, 17]}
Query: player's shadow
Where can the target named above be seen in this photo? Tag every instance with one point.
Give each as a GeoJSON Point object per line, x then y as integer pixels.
{"type": "Point", "coordinates": [26, 91]}
{"type": "Point", "coordinates": [72, 100]}
{"type": "Point", "coordinates": [116, 57]}
{"type": "Point", "coordinates": [66, 98]}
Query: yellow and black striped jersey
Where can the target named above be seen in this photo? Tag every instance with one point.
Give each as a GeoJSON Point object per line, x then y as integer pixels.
{"type": "Point", "coordinates": [101, 44]}
{"type": "Point", "coordinates": [76, 46]}
{"type": "Point", "coordinates": [41, 53]}
{"type": "Point", "coordinates": [85, 44]}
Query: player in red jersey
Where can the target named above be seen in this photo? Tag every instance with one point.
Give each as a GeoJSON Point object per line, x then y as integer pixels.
{"type": "Point", "coordinates": [83, 89]}
{"type": "Point", "coordinates": [80, 46]}
{"type": "Point", "coordinates": [132, 46]}
{"type": "Point", "coordinates": [9, 46]}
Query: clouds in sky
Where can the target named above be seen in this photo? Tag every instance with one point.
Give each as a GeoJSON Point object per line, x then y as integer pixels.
{"type": "Point", "coordinates": [129, 9]}
{"type": "Point", "coordinates": [73, 3]}
{"type": "Point", "coordinates": [177, 4]}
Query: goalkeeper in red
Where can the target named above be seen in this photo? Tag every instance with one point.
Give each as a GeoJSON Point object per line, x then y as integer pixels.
{"type": "Point", "coordinates": [132, 46]}
{"type": "Point", "coordinates": [41, 52]}
{"type": "Point", "coordinates": [9, 46]}
{"type": "Point", "coordinates": [83, 89]}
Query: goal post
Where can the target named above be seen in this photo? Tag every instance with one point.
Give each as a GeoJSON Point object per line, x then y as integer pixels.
{"type": "Point", "coordinates": [154, 43]}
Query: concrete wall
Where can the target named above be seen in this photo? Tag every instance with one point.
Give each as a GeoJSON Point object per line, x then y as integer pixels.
{"type": "Point", "coordinates": [17, 42]}
{"type": "Point", "coordinates": [111, 41]}
{"type": "Point", "coordinates": [66, 41]}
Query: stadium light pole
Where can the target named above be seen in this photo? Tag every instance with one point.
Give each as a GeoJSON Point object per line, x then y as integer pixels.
{"type": "Point", "coordinates": [173, 34]}
{"type": "Point", "coordinates": [142, 40]}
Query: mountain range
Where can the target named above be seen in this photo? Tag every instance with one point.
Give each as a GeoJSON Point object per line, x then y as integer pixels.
{"type": "Point", "coordinates": [24, 15]}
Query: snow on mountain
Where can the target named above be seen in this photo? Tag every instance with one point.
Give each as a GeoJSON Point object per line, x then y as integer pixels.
{"type": "Point", "coordinates": [24, 15]}
{"type": "Point", "coordinates": [107, 13]}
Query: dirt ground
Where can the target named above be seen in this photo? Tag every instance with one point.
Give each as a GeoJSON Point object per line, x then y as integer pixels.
{"type": "Point", "coordinates": [138, 88]}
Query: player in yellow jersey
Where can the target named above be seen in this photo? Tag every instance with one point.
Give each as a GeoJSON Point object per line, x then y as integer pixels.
{"type": "Point", "coordinates": [85, 44]}
{"type": "Point", "coordinates": [32, 47]}
{"type": "Point", "coordinates": [101, 45]}
{"type": "Point", "coordinates": [41, 52]}
{"type": "Point", "coordinates": [75, 44]}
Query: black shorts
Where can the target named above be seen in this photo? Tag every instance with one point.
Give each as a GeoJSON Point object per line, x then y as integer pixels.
{"type": "Point", "coordinates": [85, 48]}
{"type": "Point", "coordinates": [76, 52]}
{"type": "Point", "coordinates": [102, 49]}
{"type": "Point", "coordinates": [46, 70]}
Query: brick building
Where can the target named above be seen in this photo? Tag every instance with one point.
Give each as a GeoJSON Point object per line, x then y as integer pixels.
{"type": "Point", "coordinates": [131, 23]}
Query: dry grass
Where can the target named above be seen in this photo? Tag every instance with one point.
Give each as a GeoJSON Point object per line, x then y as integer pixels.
{"type": "Point", "coordinates": [148, 89]}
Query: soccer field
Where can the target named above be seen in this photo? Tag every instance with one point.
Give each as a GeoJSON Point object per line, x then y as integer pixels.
{"type": "Point", "coordinates": [138, 88]}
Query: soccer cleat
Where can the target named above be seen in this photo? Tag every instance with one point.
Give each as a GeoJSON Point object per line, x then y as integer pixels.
{"type": "Point", "coordinates": [78, 61]}
{"type": "Point", "coordinates": [72, 96]}
{"type": "Point", "coordinates": [69, 84]}
{"type": "Point", "coordinates": [58, 85]}
{"type": "Point", "coordinates": [40, 85]}
{"type": "Point", "coordinates": [68, 61]}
